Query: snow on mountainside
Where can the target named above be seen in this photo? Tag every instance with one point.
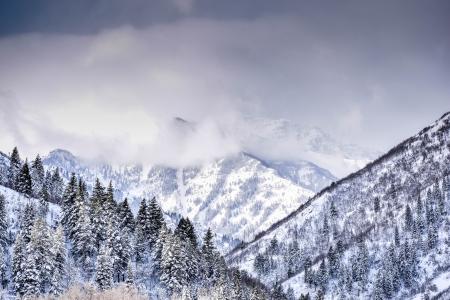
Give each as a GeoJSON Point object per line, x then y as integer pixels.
{"type": "Point", "coordinates": [15, 203]}
{"type": "Point", "coordinates": [237, 196]}
{"type": "Point", "coordinates": [346, 212]}
{"type": "Point", "coordinates": [272, 138]}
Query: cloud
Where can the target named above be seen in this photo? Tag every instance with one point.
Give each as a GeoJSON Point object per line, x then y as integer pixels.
{"type": "Point", "coordinates": [184, 6]}
{"type": "Point", "coordinates": [115, 93]}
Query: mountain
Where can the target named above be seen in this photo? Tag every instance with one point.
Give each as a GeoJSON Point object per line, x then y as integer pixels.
{"type": "Point", "coordinates": [379, 233]}
{"type": "Point", "coordinates": [236, 196]}
{"type": "Point", "coordinates": [283, 138]}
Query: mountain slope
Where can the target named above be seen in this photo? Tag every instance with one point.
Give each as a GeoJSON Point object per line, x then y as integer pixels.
{"type": "Point", "coordinates": [283, 138]}
{"type": "Point", "coordinates": [397, 179]}
{"type": "Point", "coordinates": [237, 196]}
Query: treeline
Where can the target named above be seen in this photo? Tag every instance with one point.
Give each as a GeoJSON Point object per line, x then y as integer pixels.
{"type": "Point", "coordinates": [31, 179]}
{"type": "Point", "coordinates": [99, 240]}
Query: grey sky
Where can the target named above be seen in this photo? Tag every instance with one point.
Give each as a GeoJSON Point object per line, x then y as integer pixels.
{"type": "Point", "coordinates": [368, 72]}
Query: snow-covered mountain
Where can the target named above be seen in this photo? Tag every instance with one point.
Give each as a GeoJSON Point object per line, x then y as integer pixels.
{"type": "Point", "coordinates": [236, 196]}
{"type": "Point", "coordinates": [287, 139]}
{"type": "Point", "coordinates": [240, 194]}
{"type": "Point", "coordinates": [408, 188]}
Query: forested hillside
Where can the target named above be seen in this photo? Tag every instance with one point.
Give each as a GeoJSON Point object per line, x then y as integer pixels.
{"type": "Point", "coordinates": [56, 235]}
{"type": "Point", "coordinates": [379, 233]}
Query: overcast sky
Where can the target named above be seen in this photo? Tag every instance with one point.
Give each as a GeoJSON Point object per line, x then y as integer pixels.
{"type": "Point", "coordinates": [96, 76]}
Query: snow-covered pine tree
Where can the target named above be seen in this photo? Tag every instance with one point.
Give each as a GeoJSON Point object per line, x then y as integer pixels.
{"type": "Point", "coordinates": [83, 242]}
{"type": "Point", "coordinates": [31, 276]}
{"type": "Point", "coordinates": [3, 269]}
{"type": "Point", "coordinates": [186, 232]}
{"type": "Point", "coordinates": [156, 219]}
{"type": "Point", "coordinates": [322, 275]}
{"type": "Point", "coordinates": [99, 218]}
{"type": "Point", "coordinates": [396, 236]}
{"type": "Point", "coordinates": [14, 168]}
{"type": "Point", "coordinates": [277, 292]}
{"type": "Point", "coordinates": [18, 261]}
{"type": "Point", "coordinates": [40, 247]}
{"type": "Point", "coordinates": [129, 280]}
{"type": "Point", "coordinates": [126, 217]}
{"type": "Point", "coordinates": [37, 175]}
{"type": "Point", "coordinates": [157, 251]}
{"type": "Point", "coordinates": [27, 220]}
{"type": "Point", "coordinates": [57, 282]}
{"type": "Point", "coordinates": [376, 204]}
{"type": "Point", "coordinates": [208, 254]}
{"type": "Point", "coordinates": [142, 233]}
{"type": "Point", "coordinates": [110, 206]}
{"type": "Point", "coordinates": [68, 219]}
{"type": "Point", "coordinates": [24, 181]}
{"type": "Point", "coordinates": [290, 294]}
{"type": "Point", "coordinates": [236, 292]}
{"type": "Point", "coordinates": [174, 275]}
{"type": "Point", "coordinates": [257, 294]}
{"type": "Point", "coordinates": [3, 223]}
{"type": "Point", "coordinates": [409, 221]}
{"type": "Point", "coordinates": [104, 274]}
{"type": "Point", "coordinates": [56, 187]}
{"type": "Point", "coordinates": [120, 252]}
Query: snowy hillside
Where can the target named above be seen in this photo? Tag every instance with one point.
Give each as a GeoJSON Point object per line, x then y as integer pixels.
{"type": "Point", "coordinates": [236, 196]}
{"type": "Point", "coordinates": [381, 232]}
{"type": "Point", "coordinates": [15, 203]}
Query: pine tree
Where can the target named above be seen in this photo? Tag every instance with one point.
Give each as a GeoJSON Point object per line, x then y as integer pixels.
{"type": "Point", "coordinates": [99, 215]}
{"type": "Point", "coordinates": [27, 221]}
{"type": "Point", "coordinates": [120, 252]}
{"type": "Point", "coordinates": [3, 223]}
{"type": "Point", "coordinates": [290, 294]}
{"type": "Point", "coordinates": [305, 297]}
{"type": "Point", "coordinates": [432, 238]}
{"type": "Point", "coordinates": [142, 232]}
{"type": "Point", "coordinates": [408, 219]}
{"type": "Point", "coordinates": [278, 293]}
{"type": "Point", "coordinates": [55, 186]}
{"type": "Point", "coordinates": [376, 204]}
{"type": "Point", "coordinates": [307, 271]}
{"type": "Point", "coordinates": [173, 267]}
{"type": "Point", "coordinates": [18, 261]}
{"type": "Point", "coordinates": [236, 292]}
{"type": "Point", "coordinates": [3, 269]}
{"type": "Point", "coordinates": [333, 211]}
{"type": "Point", "coordinates": [157, 251]}
{"type": "Point", "coordinates": [333, 262]}
{"type": "Point", "coordinates": [396, 236]}
{"type": "Point", "coordinates": [31, 276]}
{"type": "Point", "coordinates": [156, 220]}
{"type": "Point", "coordinates": [83, 242]}
{"type": "Point", "coordinates": [23, 182]}
{"type": "Point", "coordinates": [14, 168]}
{"type": "Point", "coordinates": [37, 175]}
{"type": "Point", "coordinates": [208, 254]}
{"type": "Point", "coordinates": [325, 231]}
{"type": "Point", "coordinates": [104, 276]}
{"type": "Point", "coordinates": [68, 206]}
{"type": "Point", "coordinates": [126, 219]}
{"type": "Point", "coordinates": [256, 294]}
{"type": "Point", "coordinates": [59, 264]}
{"type": "Point", "coordinates": [322, 276]}
{"type": "Point", "coordinates": [40, 248]}
{"type": "Point", "coordinates": [130, 276]}
{"type": "Point", "coordinates": [186, 232]}
{"type": "Point", "coordinates": [446, 188]}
